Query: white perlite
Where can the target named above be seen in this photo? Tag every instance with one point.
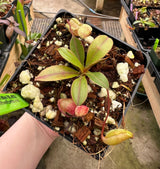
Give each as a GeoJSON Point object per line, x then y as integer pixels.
{"type": "Point", "coordinates": [103, 93]}
{"type": "Point", "coordinates": [58, 43]}
{"type": "Point", "coordinates": [30, 91]}
{"type": "Point", "coordinates": [25, 77]}
{"type": "Point", "coordinates": [130, 54]}
{"type": "Point", "coordinates": [110, 120]}
{"type": "Point", "coordinates": [59, 20]}
{"type": "Point", "coordinates": [123, 69]}
{"type": "Point", "coordinates": [37, 105]}
{"type": "Point", "coordinates": [89, 39]}
{"type": "Point", "coordinates": [51, 114]}
{"type": "Point", "coordinates": [115, 104]}
{"type": "Point", "coordinates": [115, 85]}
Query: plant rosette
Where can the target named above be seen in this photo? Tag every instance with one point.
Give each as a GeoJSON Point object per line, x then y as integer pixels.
{"type": "Point", "coordinates": [79, 81]}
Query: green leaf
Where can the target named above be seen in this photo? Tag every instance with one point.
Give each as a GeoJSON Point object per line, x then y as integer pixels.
{"type": "Point", "coordinates": [57, 72]}
{"type": "Point", "coordinates": [77, 48]}
{"type": "Point", "coordinates": [98, 49]}
{"type": "Point", "coordinates": [150, 23]}
{"type": "Point", "coordinates": [21, 17]}
{"type": "Point", "coordinates": [79, 90]}
{"type": "Point", "coordinates": [68, 55]}
{"type": "Point", "coordinates": [116, 136]}
{"type": "Point", "coordinates": [99, 79]}
{"type": "Point", "coordinates": [33, 36]}
{"type": "Point", "coordinates": [136, 22]}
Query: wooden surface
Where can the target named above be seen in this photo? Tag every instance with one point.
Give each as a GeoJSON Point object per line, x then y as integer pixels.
{"type": "Point", "coordinates": [147, 80]}
{"type": "Point", "coordinates": [99, 5]}
{"type": "Point", "coordinates": [15, 53]}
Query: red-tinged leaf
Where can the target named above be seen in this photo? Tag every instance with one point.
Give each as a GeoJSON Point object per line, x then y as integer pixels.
{"type": "Point", "coordinates": [68, 55]}
{"type": "Point", "coordinates": [79, 90]}
{"type": "Point", "coordinates": [116, 136]}
{"type": "Point", "coordinates": [6, 22]}
{"type": "Point", "coordinates": [57, 72]}
{"type": "Point", "coordinates": [16, 29]}
{"type": "Point", "coordinates": [81, 110]}
{"type": "Point", "coordinates": [99, 79]}
{"type": "Point", "coordinates": [98, 49]}
{"type": "Point", "coordinates": [84, 31]}
{"type": "Point", "coordinates": [77, 48]}
{"type": "Point", "coordinates": [67, 106]}
{"type": "Point", "coordinates": [9, 32]}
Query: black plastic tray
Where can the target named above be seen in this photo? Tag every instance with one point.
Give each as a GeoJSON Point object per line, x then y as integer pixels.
{"type": "Point", "coordinates": [3, 59]}
{"type": "Point", "coordinates": [117, 42]}
{"type": "Point", "coordinates": [126, 6]}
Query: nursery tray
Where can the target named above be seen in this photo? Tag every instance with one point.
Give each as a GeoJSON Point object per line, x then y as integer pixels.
{"type": "Point", "coordinates": [117, 42]}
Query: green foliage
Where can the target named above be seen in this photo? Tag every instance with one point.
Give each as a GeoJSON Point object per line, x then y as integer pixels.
{"type": "Point", "coordinates": [79, 90]}
{"type": "Point", "coordinates": [4, 80]}
{"type": "Point", "coordinates": [26, 47]}
{"type": "Point", "coordinates": [75, 55]}
{"type": "Point", "coordinates": [58, 72]}
{"type": "Point", "coordinates": [143, 10]}
{"type": "Point", "coordinates": [2, 8]}
{"type": "Point", "coordinates": [77, 48]}
{"type": "Point", "coordinates": [145, 22]}
{"type": "Point", "coordinates": [4, 2]}
{"type": "Point", "coordinates": [20, 16]}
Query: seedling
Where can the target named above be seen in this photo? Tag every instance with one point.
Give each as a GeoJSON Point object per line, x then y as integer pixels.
{"type": "Point", "coordinates": [147, 22]}
{"type": "Point", "coordinates": [81, 66]}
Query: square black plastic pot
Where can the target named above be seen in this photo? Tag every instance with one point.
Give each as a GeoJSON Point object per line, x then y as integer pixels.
{"type": "Point", "coordinates": [141, 31]}
{"type": "Point", "coordinates": [155, 59]}
{"type": "Point", "coordinates": [144, 43]}
{"type": "Point", "coordinates": [117, 42]}
{"type": "Point", "coordinates": [149, 33]}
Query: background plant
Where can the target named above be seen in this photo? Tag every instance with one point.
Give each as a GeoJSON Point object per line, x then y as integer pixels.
{"type": "Point", "coordinates": [3, 4]}
{"type": "Point", "coordinates": [146, 22]}
{"type": "Point", "coordinates": [28, 44]}
{"type": "Point", "coordinates": [12, 26]}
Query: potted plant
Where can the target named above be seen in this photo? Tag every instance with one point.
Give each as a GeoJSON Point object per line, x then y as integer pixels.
{"type": "Point", "coordinates": [5, 8]}
{"type": "Point", "coordinates": [155, 14]}
{"type": "Point", "coordinates": [80, 81]}
{"type": "Point", "coordinates": [146, 3]}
